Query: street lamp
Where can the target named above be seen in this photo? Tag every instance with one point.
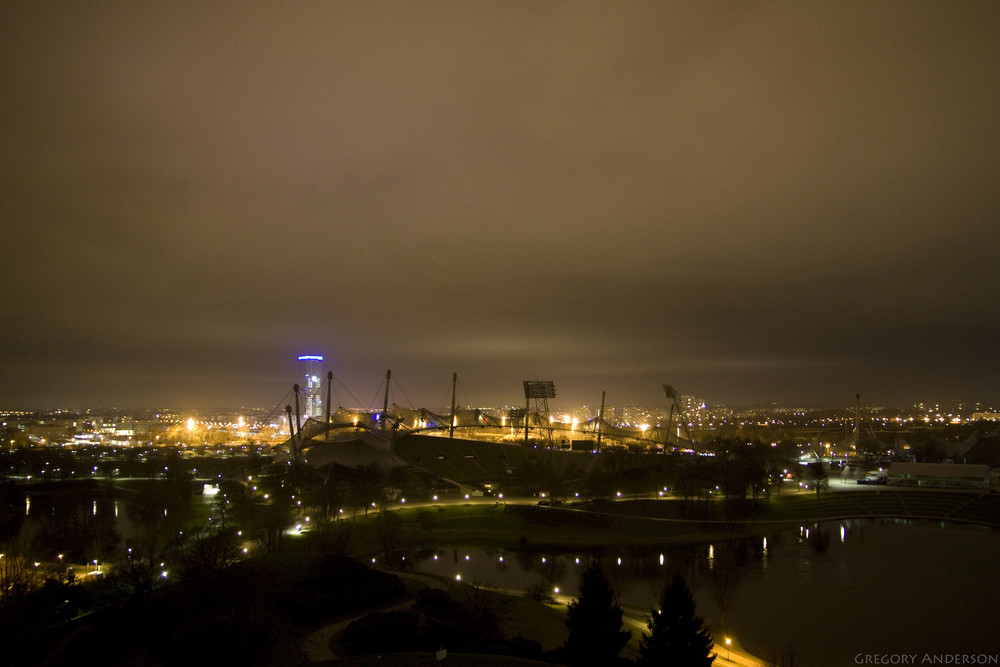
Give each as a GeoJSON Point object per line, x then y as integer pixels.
{"type": "Point", "coordinates": [729, 642]}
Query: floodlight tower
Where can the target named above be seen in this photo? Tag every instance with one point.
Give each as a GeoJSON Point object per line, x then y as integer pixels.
{"type": "Point", "coordinates": [541, 391]}
{"type": "Point", "coordinates": [675, 403]}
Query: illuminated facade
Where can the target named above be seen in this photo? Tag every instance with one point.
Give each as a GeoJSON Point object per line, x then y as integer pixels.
{"type": "Point", "coordinates": [311, 387]}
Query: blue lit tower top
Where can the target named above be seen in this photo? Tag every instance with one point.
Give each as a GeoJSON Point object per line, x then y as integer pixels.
{"type": "Point", "coordinates": [314, 380]}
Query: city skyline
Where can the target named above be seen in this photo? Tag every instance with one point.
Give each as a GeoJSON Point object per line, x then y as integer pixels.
{"type": "Point", "coordinates": [752, 203]}
{"type": "Point", "coordinates": [312, 389]}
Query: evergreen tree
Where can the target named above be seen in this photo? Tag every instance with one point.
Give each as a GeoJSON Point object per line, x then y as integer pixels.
{"type": "Point", "coordinates": [594, 621]}
{"type": "Point", "coordinates": [676, 635]}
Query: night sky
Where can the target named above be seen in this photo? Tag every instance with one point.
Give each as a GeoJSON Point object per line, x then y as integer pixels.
{"type": "Point", "coordinates": [784, 202]}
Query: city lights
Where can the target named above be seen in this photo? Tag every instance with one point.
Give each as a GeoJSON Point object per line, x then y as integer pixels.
{"type": "Point", "coordinates": [226, 470]}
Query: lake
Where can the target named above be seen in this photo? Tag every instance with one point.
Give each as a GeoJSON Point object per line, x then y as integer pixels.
{"type": "Point", "coordinates": [842, 593]}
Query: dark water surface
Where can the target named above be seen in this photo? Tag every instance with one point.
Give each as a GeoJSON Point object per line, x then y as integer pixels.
{"type": "Point", "coordinates": [842, 593]}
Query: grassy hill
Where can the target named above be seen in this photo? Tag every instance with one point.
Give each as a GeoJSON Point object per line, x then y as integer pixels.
{"type": "Point", "coordinates": [253, 612]}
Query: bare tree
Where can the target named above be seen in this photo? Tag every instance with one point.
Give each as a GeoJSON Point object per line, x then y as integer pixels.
{"type": "Point", "coordinates": [785, 656]}
{"type": "Point", "coordinates": [488, 613]}
{"type": "Point", "coordinates": [726, 574]}
{"type": "Point", "coordinates": [817, 477]}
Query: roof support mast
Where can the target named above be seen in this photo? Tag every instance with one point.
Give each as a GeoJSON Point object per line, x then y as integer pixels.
{"type": "Point", "coordinates": [385, 401]}
{"type": "Point", "coordinates": [454, 381]}
{"type": "Point", "coordinates": [600, 421]}
{"type": "Point", "coordinates": [291, 431]}
{"type": "Point", "coordinates": [329, 383]}
{"type": "Point", "coordinates": [857, 421]}
{"type": "Point", "coordinates": [298, 413]}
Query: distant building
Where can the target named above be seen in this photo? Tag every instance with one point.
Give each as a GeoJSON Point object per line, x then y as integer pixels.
{"type": "Point", "coordinates": [984, 449]}
{"type": "Point", "coordinates": [940, 475]}
{"type": "Point", "coordinates": [692, 405]}
{"type": "Point", "coordinates": [47, 432]}
{"type": "Point", "coordinates": [313, 371]}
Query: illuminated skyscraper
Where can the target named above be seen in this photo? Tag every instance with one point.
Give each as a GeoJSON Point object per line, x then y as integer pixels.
{"type": "Point", "coordinates": [311, 387]}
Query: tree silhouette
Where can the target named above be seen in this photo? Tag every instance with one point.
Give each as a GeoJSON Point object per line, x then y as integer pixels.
{"type": "Point", "coordinates": [367, 484]}
{"type": "Point", "coordinates": [594, 621]}
{"type": "Point", "coordinates": [11, 510]}
{"type": "Point", "coordinates": [785, 656]}
{"type": "Point", "coordinates": [817, 477]}
{"type": "Point", "coordinates": [726, 573]}
{"type": "Point", "coordinates": [676, 635]}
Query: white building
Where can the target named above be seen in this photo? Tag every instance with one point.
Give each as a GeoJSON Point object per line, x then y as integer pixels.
{"type": "Point", "coordinates": [940, 475]}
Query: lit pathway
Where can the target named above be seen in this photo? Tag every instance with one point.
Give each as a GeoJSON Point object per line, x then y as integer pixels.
{"type": "Point", "coordinates": [726, 656]}
{"type": "Point", "coordinates": [316, 646]}
{"type": "Point", "coordinates": [634, 619]}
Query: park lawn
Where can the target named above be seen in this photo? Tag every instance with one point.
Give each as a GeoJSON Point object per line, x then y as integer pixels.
{"type": "Point", "coordinates": [515, 527]}
{"type": "Point", "coordinates": [651, 522]}
{"type": "Point", "coordinates": [536, 621]}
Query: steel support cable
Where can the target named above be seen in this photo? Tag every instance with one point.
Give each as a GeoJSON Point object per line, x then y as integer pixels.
{"type": "Point", "coordinates": [280, 407]}
{"type": "Point", "coordinates": [355, 398]}
{"type": "Point", "coordinates": [403, 392]}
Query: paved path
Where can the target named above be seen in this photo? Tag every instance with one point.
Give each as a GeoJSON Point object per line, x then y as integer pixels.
{"type": "Point", "coordinates": [316, 646]}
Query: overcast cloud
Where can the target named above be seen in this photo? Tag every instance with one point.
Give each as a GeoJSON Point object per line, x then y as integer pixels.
{"type": "Point", "coordinates": [753, 202]}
